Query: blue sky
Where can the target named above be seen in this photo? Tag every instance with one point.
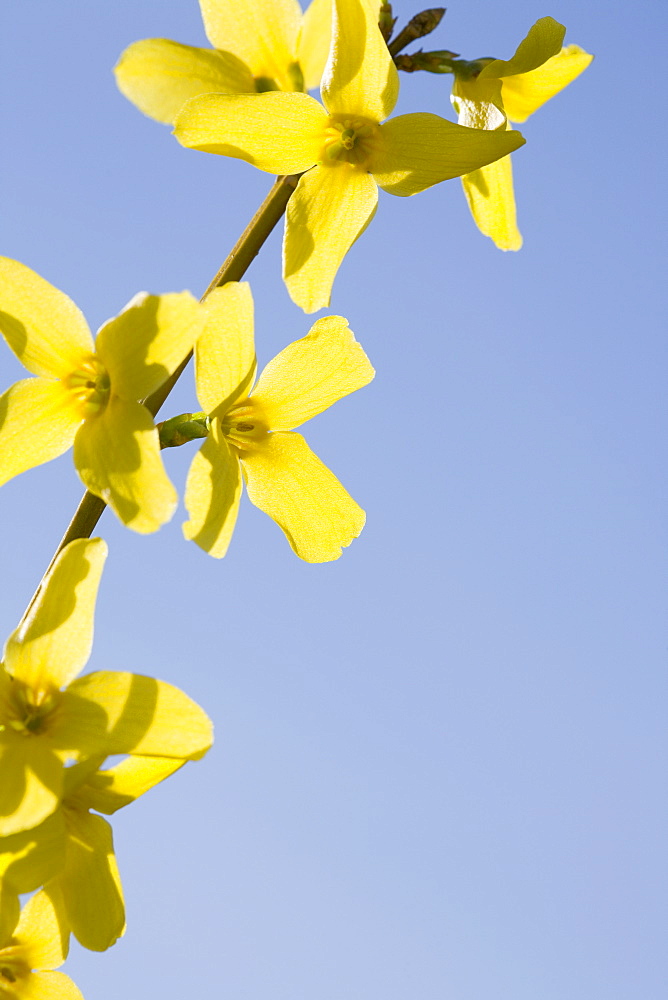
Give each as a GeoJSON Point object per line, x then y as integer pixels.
{"type": "Point", "coordinates": [439, 768]}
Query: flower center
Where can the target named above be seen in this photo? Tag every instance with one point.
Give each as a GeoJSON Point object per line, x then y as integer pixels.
{"type": "Point", "coordinates": [89, 386]}
{"type": "Point", "coordinates": [13, 966]}
{"type": "Point", "coordinates": [245, 425]}
{"type": "Point", "coordinates": [28, 714]}
{"type": "Point", "coordinates": [349, 140]}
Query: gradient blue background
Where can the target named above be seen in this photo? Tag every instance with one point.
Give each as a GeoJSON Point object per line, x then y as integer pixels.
{"type": "Point", "coordinates": [439, 767]}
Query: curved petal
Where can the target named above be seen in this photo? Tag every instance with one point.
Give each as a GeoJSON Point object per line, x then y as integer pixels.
{"type": "Point", "coordinates": [31, 858]}
{"type": "Point", "coordinates": [290, 484]}
{"type": "Point", "coordinates": [279, 133]}
{"type": "Point", "coordinates": [159, 76]}
{"type": "Point", "coordinates": [91, 885]}
{"type": "Point", "coordinates": [312, 373]}
{"type": "Point", "coordinates": [225, 350]}
{"type": "Point", "coordinates": [147, 341]}
{"type": "Point", "coordinates": [213, 491]}
{"type": "Point", "coordinates": [143, 715]}
{"type": "Point", "coordinates": [37, 424]}
{"type": "Point", "coordinates": [32, 781]}
{"type": "Point", "coordinates": [52, 644]}
{"type": "Point", "coordinates": [360, 77]}
{"type": "Point", "coordinates": [315, 38]}
{"type": "Point", "coordinates": [422, 149]}
{"type": "Point", "coordinates": [261, 32]}
{"type": "Point", "coordinates": [525, 93]}
{"type": "Point", "coordinates": [49, 986]}
{"type": "Point", "coordinates": [543, 40]}
{"type": "Point", "coordinates": [43, 327]}
{"type": "Point", "coordinates": [491, 198]}
{"type": "Point", "coordinates": [40, 931]}
{"type": "Point", "coordinates": [330, 209]}
{"type": "Point", "coordinates": [110, 790]}
{"type": "Point", "coordinates": [117, 455]}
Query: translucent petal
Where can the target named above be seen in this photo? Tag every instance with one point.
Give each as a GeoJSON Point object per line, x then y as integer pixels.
{"type": "Point", "coordinates": [31, 858]}
{"type": "Point", "coordinates": [146, 342]}
{"type": "Point", "coordinates": [290, 484]}
{"type": "Point", "coordinates": [142, 715]}
{"type": "Point", "coordinates": [279, 133]}
{"type": "Point", "coordinates": [37, 424]}
{"type": "Point", "coordinates": [261, 32]}
{"type": "Point", "coordinates": [312, 373]}
{"type": "Point", "coordinates": [117, 455]}
{"type": "Point", "coordinates": [543, 40]}
{"type": "Point", "coordinates": [525, 93]}
{"type": "Point", "coordinates": [159, 76]}
{"type": "Point", "coordinates": [315, 37]}
{"type": "Point", "coordinates": [422, 149]}
{"type": "Point", "coordinates": [213, 490]}
{"type": "Point", "coordinates": [225, 351]}
{"type": "Point", "coordinates": [330, 209]}
{"type": "Point", "coordinates": [360, 77]}
{"type": "Point", "coordinates": [41, 932]}
{"type": "Point", "coordinates": [490, 195]}
{"type": "Point", "coordinates": [478, 103]}
{"type": "Point", "coordinates": [10, 909]}
{"type": "Point", "coordinates": [32, 781]}
{"type": "Point", "coordinates": [53, 643]}
{"type": "Point", "coordinates": [43, 327]}
{"type": "Point", "coordinates": [107, 791]}
{"type": "Point", "coordinates": [49, 986]}
{"type": "Point", "coordinates": [91, 885]}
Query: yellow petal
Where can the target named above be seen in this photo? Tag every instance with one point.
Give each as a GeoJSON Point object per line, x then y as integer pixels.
{"type": "Point", "coordinates": [490, 195]}
{"type": "Point", "coordinates": [146, 342]}
{"type": "Point", "coordinates": [543, 40]}
{"type": "Point", "coordinates": [360, 77]}
{"type": "Point", "coordinates": [142, 715]}
{"type": "Point", "coordinates": [225, 351]}
{"type": "Point", "coordinates": [117, 455]}
{"type": "Point", "coordinates": [279, 133]}
{"type": "Point", "coordinates": [31, 858]}
{"type": "Point", "coordinates": [312, 373]}
{"type": "Point", "coordinates": [53, 643]}
{"type": "Point", "coordinates": [91, 885]}
{"type": "Point", "coordinates": [212, 495]}
{"type": "Point", "coordinates": [261, 32]}
{"type": "Point", "coordinates": [478, 103]}
{"type": "Point", "coordinates": [32, 781]}
{"type": "Point", "coordinates": [330, 209]}
{"type": "Point", "coordinates": [49, 986]}
{"type": "Point", "coordinates": [40, 930]}
{"type": "Point", "coordinates": [107, 791]}
{"type": "Point", "coordinates": [290, 484]}
{"type": "Point", "coordinates": [315, 37]}
{"type": "Point", "coordinates": [43, 327]}
{"type": "Point", "coordinates": [9, 909]}
{"type": "Point", "coordinates": [422, 149]}
{"type": "Point", "coordinates": [524, 94]}
{"type": "Point", "coordinates": [37, 423]}
{"type": "Point", "coordinates": [159, 76]}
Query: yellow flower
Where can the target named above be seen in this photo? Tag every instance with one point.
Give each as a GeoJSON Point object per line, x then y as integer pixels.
{"type": "Point", "coordinates": [37, 942]}
{"type": "Point", "coordinates": [87, 394]}
{"type": "Point", "coordinates": [343, 147]}
{"type": "Point", "coordinates": [72, 852]}
{"type": "Point", "coordinates": [47, 717]}
{"type": "Point", "coordinates": [283, 476]}
{"type": "Point", "coordinates": [492, 92]}
{"type": "Point", "coordinates": [258, 45]}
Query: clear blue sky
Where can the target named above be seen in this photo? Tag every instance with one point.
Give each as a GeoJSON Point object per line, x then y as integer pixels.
{"type": "Point", "coordinates": [440, 762]}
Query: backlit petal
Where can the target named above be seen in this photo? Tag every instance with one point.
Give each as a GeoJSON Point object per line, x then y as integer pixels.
{"type": "Point", "coordinates": [276, 132]}
{"type": "Point", "coordinates": [490, 195]}
{"type": "Point", "coordinates": [360, 77]}
{"type": "Point", "coordinates": [213, 490]}
{"type": "Point", "coordinates": [524, 94]}
{"type": "Point", "coordinates": [31, 858]}
{"type": "Point", "coordinates": [312, 373]}
{"type": "Point", "coordinates": [159, 76]}
{"type": "Point", "coordinates": [43, 327]}
{"type": "Point", "coordinates": [49, 986]}
{"type": "Point", "coordinates": [543, 41]}
{"type": "Point", "coordinates": [315, 37]}
{"type": "Point", "coordinates": [225, 351]}
{"type": "Point", "coordinates": [290, 484]}
{"type": "Point", "coordinates": [53, 643]}
{"type": "Point", "coordinates": [107, 791]}
{"type": "Point", "coordinates": [41, 933]}
{"type": "Point", "coordinates": [117, 455]}
{"type": "Point", "coordinates": [143, 345]}
{"type": "Point", "coordinates": [37, 424]}
{"type": "Point", "coordinates": [330, 209]}
{"type": "Point", "coordinates": [422, 149]}
{"type": "Point", "coordinates": [32, 781]}
{"type": "Point", "coordinates": [261, 32]}
{"type": "Point", "coordinates": [143, 715]}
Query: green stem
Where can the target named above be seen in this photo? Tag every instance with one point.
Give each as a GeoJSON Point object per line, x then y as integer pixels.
{"type": "Point", "coordinates": [236, 264]}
